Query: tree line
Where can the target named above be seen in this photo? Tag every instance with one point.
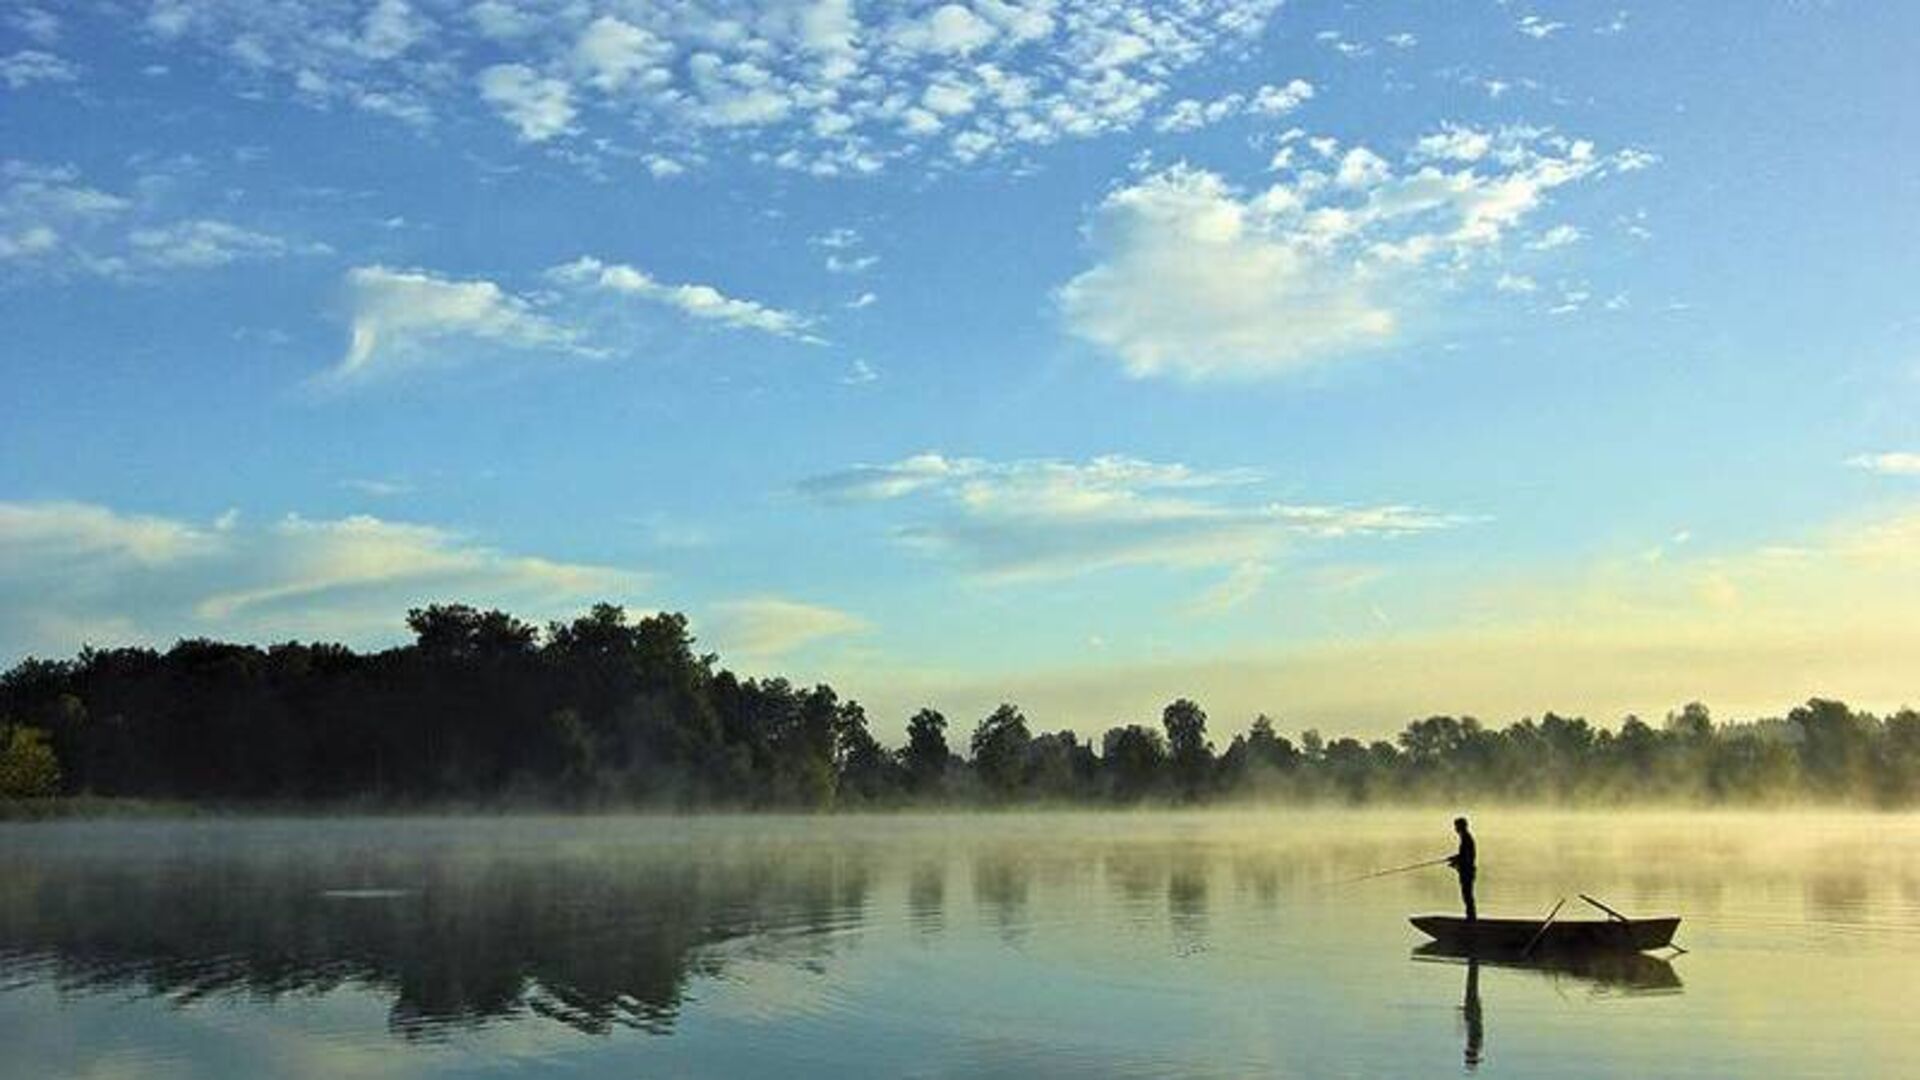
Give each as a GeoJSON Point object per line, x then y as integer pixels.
{"type": "Point", "coordinates": [608, 711]}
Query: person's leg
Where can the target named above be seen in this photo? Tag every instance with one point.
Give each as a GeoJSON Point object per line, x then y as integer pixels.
{"type": "Point", "coordinates": [1466, 895]}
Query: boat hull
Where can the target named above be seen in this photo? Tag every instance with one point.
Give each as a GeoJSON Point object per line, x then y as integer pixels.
{"type": "Point", "coordinates": [1493, 936]}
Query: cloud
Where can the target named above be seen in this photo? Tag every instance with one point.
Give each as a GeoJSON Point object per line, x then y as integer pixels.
{"type": "Point", "coordinates": [1042, 519]}
{"type": "Point", "coordinates": [948, 29]}
{"type": "Point", "coordinates": [38, 24]}
{"type": "Point", "coordinates": [1190, 114]}
{"type": "Point", "coordinates": [206, 243]}
{"type": "Point", "coordinates": [874, 483]}
{"type": "Point", "coordinates": [1242, 585]}
{"type": "Point", "coordinates": [28, 66]}
{"type": "Point", "coordinates": [825, 87]}
{"type": "Point", "coordinates": [53, 532]}
{"type": "Point", "coordinates": [1191, 284]}
{"type": "Point", "coordinates": [1197, 279]}
{"type": "Point", "coordinates": [57, 224]}
{"type": "Point", "coordinates": [1752, 631]}
{"type": "Point", "coordinates": [1537, 27]}
{"type": "Point", "coordinates": [860, 373]}
{"type": "Point", "coordinates": [1892, 463]}
{"type": "Point", "coordinates": [400, 315]}
{"type": "Point", "coordinates": [698, 301]}
{"type": "Point", "coordinates": [74, 571]}
{"type": "Point", "coordinates": [539, 108]}
{"type": "Point", "coordinates": [765, 627]}
{"type": "Point", "coordinates": [616, 54]}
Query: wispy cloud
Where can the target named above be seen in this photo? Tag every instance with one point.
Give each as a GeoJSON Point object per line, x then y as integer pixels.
{"type": "Point", "coordinates": [400, 316]}
{"type": "Point", "coordinates": [697, 301]}
{"type": "Point", "coordinates": [1890, 463]}
{"type": "Point", "coordinates": [1040, 519]}
{"type": "Point", "coordinates": [771, 626]}
{"type": "Point", "coordinates": [68, 570]}
{"type": "Point", "coordinates": [53, 222]}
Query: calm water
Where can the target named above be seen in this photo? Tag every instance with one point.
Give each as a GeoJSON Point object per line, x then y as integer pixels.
{"type": "Point", "coordinates": [1056, 945]}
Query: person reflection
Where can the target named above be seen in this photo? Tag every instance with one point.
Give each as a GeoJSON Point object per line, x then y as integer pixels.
{"type": "Point", "coordinates": [1470, 1015]}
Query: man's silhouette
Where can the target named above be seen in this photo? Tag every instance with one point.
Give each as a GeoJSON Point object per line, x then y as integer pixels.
{"type": "Point", "coordinates": [1462, 863]}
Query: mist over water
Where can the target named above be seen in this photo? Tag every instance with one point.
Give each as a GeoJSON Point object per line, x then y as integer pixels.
{"type": "Point", "coordinates": [1151, 944]}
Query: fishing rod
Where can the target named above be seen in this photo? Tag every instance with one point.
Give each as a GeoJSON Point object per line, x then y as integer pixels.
{"type": "Point", "coordinates": [1395, 870]}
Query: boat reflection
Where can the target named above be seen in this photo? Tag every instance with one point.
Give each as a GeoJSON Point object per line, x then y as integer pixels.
{"type": "Point", "coordinates": [1606, 971]}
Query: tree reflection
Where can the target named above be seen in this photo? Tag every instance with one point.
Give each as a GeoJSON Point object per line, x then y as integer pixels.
{"type": "Point", "coordinates": [593, 943]}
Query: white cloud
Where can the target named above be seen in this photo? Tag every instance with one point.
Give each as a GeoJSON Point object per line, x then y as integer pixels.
{"type": "Point", "coordinates": [1891, 463]}
{"type": "Point", "coordinates": [500, 20]}
{"type": "Point", "coordinates": [1197, 279]}
{"type": "Point", "coordinates": [36, 23]}
{"type": "Point", "coordinates": [1538, 28]}
{"type": "Point", "coordinates": [859, 373]}
{"type": "Point", "coordinates": [615, 54]}
{"type": "Point", "coordinates": [400, 315]}
{"type": "Point", "coordinates": [1041, 519]}
{"type": "Point", "coordinates": [72, 571]}
{"type": "Point", "coordinates": [390, 28]}
{"type": "Point", "coordinates": [43, 533]}
{"type": "Point", "coordinates": [1558, 236]}
{"type": "Point", "coordinates": [768, 626]}
{"type": "Point", "coordinates": [948, 29]}
{"type": "Point", "coordinates": [205, 243]}
{"type": "Point", "coordinates": [1191, 283]}
{"type": "Point", "coordinates": [540, 108]}
{"type": "Point", "coordinates": [850, 264]}
{"type": "Point", "coordinates": [1453, 143]}
{"type": "Point", "coordinates": [826, 87]}
{"type": "Point", "coordinates": [698, 301]}
{"type": "Point", "coordinates": [874, 483]}
{"type": "Point", "coordinates": [1190, 114]}
{"type": "Point", "coordinates": [1239, 587]}
{"type": "Point", "coordinates": [64, 226]}
{"type": "Point", "coordinates": [28, 66]}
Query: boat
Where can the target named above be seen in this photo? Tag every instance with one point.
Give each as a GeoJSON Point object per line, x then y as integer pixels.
{"type": "Point", "coordinates": [1493, 937]}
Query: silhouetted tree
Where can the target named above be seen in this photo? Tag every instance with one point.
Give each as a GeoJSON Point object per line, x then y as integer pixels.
{"type": "Point", "coordinates": [1188, 750]}
{"type": "Point", "coordinates": [926, 755]}
{"type": "Point", "coordinates": [999, 748]}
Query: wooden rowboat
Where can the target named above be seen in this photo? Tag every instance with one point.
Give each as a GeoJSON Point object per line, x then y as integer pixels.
{"type": "Point", "coordinates": [1494, 936]}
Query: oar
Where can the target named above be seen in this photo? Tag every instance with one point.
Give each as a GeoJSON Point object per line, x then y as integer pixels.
{"type": "Point", "coordinates": [1542, 932]}
{"type": "Point", "coordinates": [1395, 870]}
{"type": "Point", "coordinates": [1604, 908]}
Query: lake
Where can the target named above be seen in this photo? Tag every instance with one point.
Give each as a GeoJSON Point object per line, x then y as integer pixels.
{"type": "Point", "coordinates": [1059, 945]}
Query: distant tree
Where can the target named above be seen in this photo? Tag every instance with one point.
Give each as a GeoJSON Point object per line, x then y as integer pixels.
{"type": "Point", "coordinates": [1693, 723]}
{"type": "Point", "coordinates": [1267, 748]}
{"type": "Point", "coordinates": [1188, 751]}
{"type": "Point", "coordinates": [999, 747]}
{"type": "Point", "coordinates": [1135, 759]}
{"type": "Point", "coordinates": [926, 755]}
{"type": "Point", "coordinates": [866, 771]}
{"type": "Point", "coordinates": [1833, 745]}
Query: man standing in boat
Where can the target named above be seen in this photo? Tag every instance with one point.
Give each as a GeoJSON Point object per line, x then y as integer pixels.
{"type": "Point", "coordinates": [1462, 862]}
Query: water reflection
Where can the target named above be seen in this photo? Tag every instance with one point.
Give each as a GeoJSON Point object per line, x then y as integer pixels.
{"type": "Point", "coordinates": [1107, 945]}
{"type": "Point", "coordinates": [1471, 1017]}
{"type": "Point", "coordinates": [595, 943]}
{"type": "Point", "coordinates": [1602, 972]}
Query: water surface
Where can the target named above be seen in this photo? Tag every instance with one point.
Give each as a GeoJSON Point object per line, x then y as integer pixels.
{"type": "Point", "coordinates": [1090, 945]}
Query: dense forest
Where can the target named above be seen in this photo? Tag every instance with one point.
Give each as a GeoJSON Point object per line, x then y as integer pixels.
{"type": "Point", "coordinates": [605, 711]}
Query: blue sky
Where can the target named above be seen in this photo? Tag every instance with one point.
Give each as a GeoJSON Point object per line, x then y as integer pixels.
{"type": "Point", "coordinates": [1345, 362]}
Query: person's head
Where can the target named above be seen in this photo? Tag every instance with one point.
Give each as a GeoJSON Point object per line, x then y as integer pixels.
{"type": "Point", "coordinates": [1460, 825]}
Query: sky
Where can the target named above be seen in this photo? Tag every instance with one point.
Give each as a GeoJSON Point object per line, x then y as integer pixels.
{"type": "Point", "coordinates": [1344, 362]}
